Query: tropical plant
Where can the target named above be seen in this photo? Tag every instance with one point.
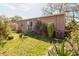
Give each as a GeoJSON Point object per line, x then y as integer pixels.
{"type": "Point", "coordinates": [60, 51]}
{"type": "Point", "coordinates": [50, 29]}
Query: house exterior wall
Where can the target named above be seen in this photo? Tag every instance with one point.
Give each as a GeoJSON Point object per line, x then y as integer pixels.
{"type": "Point", "coordinates": [59, 24]}
{"type": "Point", "coordinates": [57, 20]}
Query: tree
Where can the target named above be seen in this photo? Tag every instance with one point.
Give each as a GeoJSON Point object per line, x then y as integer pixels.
{"type": "Point", "coordinates": [16, 18]}
{"type": "Point", "coordinates": [71, 10]}
{"type": "Point", "coordinates": [48, 10]}
{"type": "Point", "coordinates": [51, 8]}
{"type": "Point", "coordinates": [4, 28]}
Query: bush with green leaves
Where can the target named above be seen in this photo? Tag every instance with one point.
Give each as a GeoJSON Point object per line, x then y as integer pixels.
{"type": "Point", "coordinates": [75, 40]}
{"type": "Point", "coordinates": [59, 51]}
{"type": "Point", "coordinates": [38, 27]}
{"type": "Point", "coordinates": [5, 29]}
{"type": "Point", "coordinates": [43, 29]}
{"type": "Point", "coordinates": [25, 29]}
{"type": "Point", "coordinates": [10, 37]}
{"type": "Point", "coordinates": [73, 25]}
{"type": "Point", "coordinates": [50, 29]}
{"type": "Point", "coordinates": [70, 27]}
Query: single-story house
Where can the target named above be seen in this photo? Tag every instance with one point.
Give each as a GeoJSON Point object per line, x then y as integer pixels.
{"type": "Point", "coordinates": [58, 21]}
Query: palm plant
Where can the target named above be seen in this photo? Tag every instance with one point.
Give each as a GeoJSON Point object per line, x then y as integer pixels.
{"type": "Point", "coordinates": [50, 28]}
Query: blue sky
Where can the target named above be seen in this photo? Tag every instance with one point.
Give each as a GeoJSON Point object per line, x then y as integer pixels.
{"type": "Point", "coordinates": [26, 10]}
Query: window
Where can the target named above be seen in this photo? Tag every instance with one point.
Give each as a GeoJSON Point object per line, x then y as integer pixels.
{"type": "Point", "coordinates": [31, 24]}
{"type": "Point", "coordinates": [21, 24]}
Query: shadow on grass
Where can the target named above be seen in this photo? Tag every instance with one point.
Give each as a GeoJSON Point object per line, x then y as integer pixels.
{"type": "Point", "coordinates": [42, 37]}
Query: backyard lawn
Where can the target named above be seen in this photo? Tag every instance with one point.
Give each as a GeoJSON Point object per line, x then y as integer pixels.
{"type": "Point", "coordinates": [26, 46]}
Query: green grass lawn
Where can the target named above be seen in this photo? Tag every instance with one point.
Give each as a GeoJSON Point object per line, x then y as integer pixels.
{"type": "Point", "coordinates": [27, 46]}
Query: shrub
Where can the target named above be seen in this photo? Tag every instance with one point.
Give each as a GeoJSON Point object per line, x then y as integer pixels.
{"type": "Point", "coordinates": [75, 38]}
{"type": "Point", "coordinates": [25, 29]}
{"type": "Point", "coordinates": [18, 31]}
{"type": "Point", "coordinates": [10, 37]}
{"type": "Point", "coordinates": [3, 42]}
{"type": "Point", "coordinates": [5, 28]}
{"type": "Point", "coordinates": [43, 29]}
{"type": "Point", "coordinates": [72, 25]}
{"type": "Point", "coordinates": [38, 27]}
{"type": "Point", "coordinates": [59, 51]}
{"type": "Point", "coordinates": [67, 33]}
{"type": "Point", "coordinates": [50, 29]}
{"type": "Point", "coordinates": [74, 41]}
{"type": "Point", "coordinates": [20, 35]}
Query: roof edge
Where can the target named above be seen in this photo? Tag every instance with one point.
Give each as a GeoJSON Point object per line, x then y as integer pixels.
{"type": "Point", "coordinates": [40, 17]}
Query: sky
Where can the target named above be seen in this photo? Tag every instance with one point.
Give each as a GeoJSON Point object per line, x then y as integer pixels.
{"type": "Point", "coordinates": [26, 10]}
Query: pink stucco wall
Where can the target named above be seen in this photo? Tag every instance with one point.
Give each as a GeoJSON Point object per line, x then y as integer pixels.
{"type": "Point", "coordinates": [57, 20]}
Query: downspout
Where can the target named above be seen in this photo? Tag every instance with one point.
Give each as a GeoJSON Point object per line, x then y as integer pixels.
{"type": "Point", "coordinates": [73, 15]}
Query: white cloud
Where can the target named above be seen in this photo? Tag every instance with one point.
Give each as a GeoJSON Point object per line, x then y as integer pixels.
{"type": "Point", "coordinates": [25, 7]}
{"type": "Point", "coordinates": [0, 13]}
{"type": "Point", "coordinates": [8, 6]}
{"type": "Point", "coordinates": [22, 9]}
{"type": "Point", "coordinates": [20, 6]}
